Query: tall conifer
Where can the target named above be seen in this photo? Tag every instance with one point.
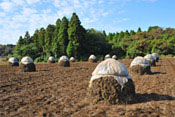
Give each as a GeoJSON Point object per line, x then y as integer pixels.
{"type": "Point", "coordinates": [63, 36]}
{"type": "Point", "coordinates": [76, 37]}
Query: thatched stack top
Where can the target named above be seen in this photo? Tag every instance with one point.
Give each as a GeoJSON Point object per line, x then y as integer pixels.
{"type": "Point", "coordinates": [63, 58]}
{"type": "Point", "coordinates": [72, 59]}
{"type": "Point", "coordinates": [26, 60]}
{"type": "Point", "coordinates": [51, 58]}
{"type": "Point", "coordinates": [107, 56]}
{"type": "Point", "coordinates": [149, 57]}
{"type": "Point", "coordinates": [111, 67]}
{"type": "Point", "coordinates": [114, 57]}
{"type": "Point", "coordinates": [140, 61]}
{"type": "Point", "coordinates": [13, 60]}
{"type": "Point", "coordinates": [92, 57]}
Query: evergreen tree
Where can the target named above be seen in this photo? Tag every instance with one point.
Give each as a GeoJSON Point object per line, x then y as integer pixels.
{"type": "Point", "coordinates": [76, 37]}
{"type": "Point", "coordinates": [20, 41]}
{"type": "Point", "coordinates": [55, 45]}
{"type": "Point", "coordinates": [18, 50]}
{"type": "Point", "coordinates": [70, 49]}
{"type": "Point", "coordinates": [57, 26]}
{"type": "Point", "coordinates": [41, 41]}
{"type": "Point", "coordinates": [126, 35]}
{"type": "Point", "coordinates": [63, 36]}
{"type": "Point", "coordinates": [27, 38]}
{"type": "Point", "coordinates": [104, 33]}
{"type": "Point", "coordinates": [49, 35]}
{"type": "Point", "coordinates": [132, 32]}
{"type": "Point", "coordinates": [139, 30]}
{"type": "Point", "coordinates": [35, 36]}
{"type": "Point", "coordinates": [152, 27]}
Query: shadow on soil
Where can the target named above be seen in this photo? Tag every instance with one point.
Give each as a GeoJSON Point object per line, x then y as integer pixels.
{"type": "Point", "coordinates": [158, 73]}
{"type": "Point", "coordinates": [42, 70]}
{"type": "Point", "coordinates": [143, 98]}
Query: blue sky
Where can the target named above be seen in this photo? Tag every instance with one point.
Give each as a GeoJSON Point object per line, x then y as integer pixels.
{"type": "Point", "coordinates": [19, 16]}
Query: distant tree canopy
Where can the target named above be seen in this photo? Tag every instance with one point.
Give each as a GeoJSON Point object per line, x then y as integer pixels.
{"type": "Point", "coordinates": [6, 49]}
{"type": "Point", "coordinates": [69, 37]}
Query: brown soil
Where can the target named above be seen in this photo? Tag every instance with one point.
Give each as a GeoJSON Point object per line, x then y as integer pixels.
{"type": "Point", "coordinates": [61, 91]}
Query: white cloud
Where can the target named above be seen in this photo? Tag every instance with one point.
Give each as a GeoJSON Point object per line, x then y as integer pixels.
{"type": "Point", "coordinates": [105, 14]}
{"type": "Point", "coordinates": [61, 3]}
{"type": "Point", "coordinates": [120, 20]}
{"type": "Point", "coordinates": [28, 11]}
{"type": "Point", "coordinates": [2, 14]}
{"type": "Point", "coordinates": [18, 2]}
{"type": "Point", "coordinates": [101, 1]}
{"type": "Point", "coordinates": [121, 12]}
{"type": "Point", "coordinates": [32, 1]}
{"type": "Point", "coordinates": [25, 16]}
{"type": "Point", "coordinates": [7, 6]}
{"type": "Point", "coordinates": [89, 20]}
{"type": "Point", "coordinates": [148, 0]}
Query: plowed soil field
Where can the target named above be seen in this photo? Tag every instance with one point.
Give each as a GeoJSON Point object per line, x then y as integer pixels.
{"type": "Point", "coordinates": [61, 91]}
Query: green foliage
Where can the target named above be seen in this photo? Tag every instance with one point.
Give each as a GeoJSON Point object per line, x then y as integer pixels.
{"type": "Point", "coordinates": [76, 35]}
{"type": "Point", "coordinates": [96, 43]}
{"type": "Point", "coordinates": [70, 49]}
{"type": "Point", "coordinates": [139, 30]}
{"type": "Point", "coordinates": [49, 37]}
{"type": "Point", "coordinates": [63, 36]}
{"type": "Point", "coordinates": [6, 49]}
{"type": "Point", "coordinates": [152, 27]}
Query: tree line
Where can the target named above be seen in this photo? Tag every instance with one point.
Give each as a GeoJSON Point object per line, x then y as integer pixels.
{"type": "Point", "coordinates": [69, 37]}
{"type": "Point", "coordinates": [5, 50]}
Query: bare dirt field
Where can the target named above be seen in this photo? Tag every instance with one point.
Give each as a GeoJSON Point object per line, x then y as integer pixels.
{"type": "Point", "coordinates": [61, 91]}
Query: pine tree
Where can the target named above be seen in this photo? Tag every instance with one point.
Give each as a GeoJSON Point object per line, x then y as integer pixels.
{"type": "Point", "coordinates": [17, 50]}
{"type": "Point", "coordinates": [20, 41]}
{"type": "Point", "coordinates": [126, 35]}
{"type": "Point", "coordinates": [63, 36]}
{"type": "Point", "coordinates": [104, 33]}
{"type": "Point", "coordinates": [132, 32]}
{"type": "Point", "coordinates": [35, 36]}
{"type": "Point", "coordinates": [41, 40]}
{"type": "Point", "coordinates": [49, 35]}
{"type": "Point", "coordinates": [55, 44]}
{"type": "Point", "coordinates": [70, 49]}
{"type": "Point", "coordinates": [57, 26]}
{"type": "Point", "coordinates": [139, 30]}
{"type": "Point", "coordinates": [76, 37]}
{"type": "Point", "coordinates": [27, 39]}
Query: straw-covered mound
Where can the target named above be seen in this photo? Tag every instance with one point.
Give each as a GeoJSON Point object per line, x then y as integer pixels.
{"type": "Point", "coordinates": [64, 61]}
{"type": "Point", "coordinates": [150, 59]}
{"type": "Point", "coordinates": [156, 57]}
{"type": "Point", "coordinates": [140, 66]}
{"type": "Point", "coordinates": [27, 65]}
{"type": "Point", "coordinates": [92, 58]}
{"type": "Point", "coordinates": [72, 59]}
{"type": "Point", "coordinates": [13, 61]}
{"type": "Point", "coordinates": [111, 84]}
{"type": "Point", "coordinates": [114, 57]}
{"type": "Point", "coordinates": [51, 59]}
{"type": "Point", "coordinates": [107, 56]}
